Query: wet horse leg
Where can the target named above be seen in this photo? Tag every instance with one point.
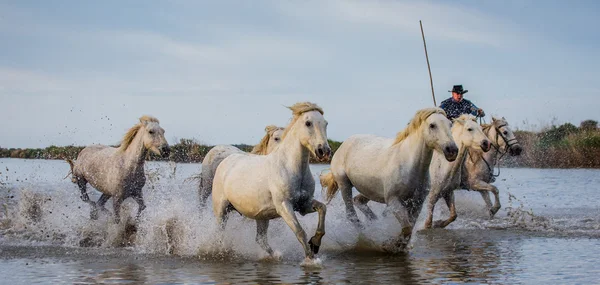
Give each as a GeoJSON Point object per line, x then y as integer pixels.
{"type": "Point", "coordinates": [486, 198]}
{"type": "Point", "coordinates": [286, 211]}
{"type": "Point", "coordinates": [360, 201]}
{"type": "Point", "coordinates": [449, 198]}
{"type": "Point", "coordinates": [403, 216]}
{"type": "Point", "coordinates": [315, 241]}
{"type": "Point", "coordinates": [82, 183]}
{"type": "Point", "coordinates": [346, 191]}
{"type": "Point", "coordinates": [261, 235]}
{"type": "Point", "coordinates": [139, 198]}
{"type": "Point", "coordinates": [483, 186]}
{"type": "Point", "coordinates": [117, 201]}
{"type": "Point", "coordinates": [99, 206]}
{"type": "Point", "coordinates": [433, 198]}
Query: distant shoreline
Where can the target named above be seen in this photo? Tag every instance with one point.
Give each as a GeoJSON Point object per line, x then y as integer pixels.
{"type": "Point", "coordinates": [564, 146]}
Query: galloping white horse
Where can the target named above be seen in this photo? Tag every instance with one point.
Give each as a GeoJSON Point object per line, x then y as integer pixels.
{"type": "Point", "coordinates": [119, 172]}
{"type": "Point", "coordinates": [446, 176]}
{"type": "Point", "coordinates": [391, 171]}
{"type": "Point", "coordinates": [478, 173]}
{"type": "Point", "coordinates": [218, 153]}
{"type": "Point", "coordinates": [265, 187]}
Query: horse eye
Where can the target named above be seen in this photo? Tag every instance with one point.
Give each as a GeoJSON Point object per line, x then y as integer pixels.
{"type": "Point", "coordinates": [432, 126]}
{"type": "Point", "coordinates": [505, 133]}
{"type": "Point", "coordinates": [470, 129]}
{"type": "Point", "coordinates": [308, 124]}
{"type": "Point", "coordinates": [276, 139]}
{"type": "Point", "coordinates": [151, 132]}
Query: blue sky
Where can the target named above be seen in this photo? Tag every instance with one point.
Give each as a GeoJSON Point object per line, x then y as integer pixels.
{"type": "Point", "coordinates": [82, 72]}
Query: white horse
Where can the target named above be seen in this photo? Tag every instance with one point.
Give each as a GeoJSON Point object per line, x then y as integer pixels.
{"type": "Point", "coordinates": [218, 153]}
{"type": "Point", "coordinates": [446, 176]}
{"type": "Point", "coordinates": [391, 171]}
{"type": "Point", "coordinates": [265, 187]}
{"type": "Point", "coordinates": [119, 172]}
{"type": "Point", "coordinates": [478, 173]}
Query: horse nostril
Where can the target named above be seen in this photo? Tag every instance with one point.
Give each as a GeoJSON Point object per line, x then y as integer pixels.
{"type": "Point", "coordinates": [320, 152]}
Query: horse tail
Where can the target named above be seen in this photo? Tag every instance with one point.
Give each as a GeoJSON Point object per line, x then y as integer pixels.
{"type": "Point", "coordinates": [72, 165]}
{"type": "Point", "coordinates": [205, 189]}
{"type": "Point", "coordinates": [330, 185]}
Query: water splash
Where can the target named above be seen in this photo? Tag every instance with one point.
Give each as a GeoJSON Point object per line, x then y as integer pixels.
{"type": "Point", "coordinates": [51, 212]}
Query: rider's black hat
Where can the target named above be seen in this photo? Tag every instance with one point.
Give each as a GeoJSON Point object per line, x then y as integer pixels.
{"type": "Point", "coordinates": [458, 89]}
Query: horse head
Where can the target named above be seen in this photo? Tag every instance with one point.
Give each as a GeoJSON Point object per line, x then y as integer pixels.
{"type": "Point", "coordinates": [275, 135]}
{"type": "Point", "coordinates": [153, 136]}
{"type": "Point", "coordinates": [504, 138]}
{"type": "Point", "coordinates": [436, 130]}
{"type": "Point", "coordinates": [310, 127]}
{"type": "Point", "coordinates": [469, 133]}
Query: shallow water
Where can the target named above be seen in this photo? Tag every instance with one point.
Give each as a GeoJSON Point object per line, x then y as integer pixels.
{"type": "Point", "coordinates": [548, 231]}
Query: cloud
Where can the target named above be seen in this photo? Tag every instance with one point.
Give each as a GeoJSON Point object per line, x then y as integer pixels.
{"type": "Point", "coordinates": [441, 21]}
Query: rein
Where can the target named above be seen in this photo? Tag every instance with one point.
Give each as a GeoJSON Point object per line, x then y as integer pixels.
{"type": "Point", "coordinates": [508, 144]}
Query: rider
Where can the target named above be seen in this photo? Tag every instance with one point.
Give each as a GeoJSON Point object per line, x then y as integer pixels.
{"type": "Point", "coordinates": [457, 106]}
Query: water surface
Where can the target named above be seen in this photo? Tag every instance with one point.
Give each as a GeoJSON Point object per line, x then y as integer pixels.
{"type": "Point", "coordinates": [548, 231]}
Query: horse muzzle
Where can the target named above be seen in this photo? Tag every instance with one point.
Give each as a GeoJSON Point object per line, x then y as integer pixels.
{"type": "Point", "coordinates": [323, 152]}
{"type": "Point", "coordinates": [165, 151]}
{"type": "Point", "coordinates": [485, 145]}
{"type": "Point", "coordinates": [451, 152]}
{"type": "Point", "coordinates": [515, 150]}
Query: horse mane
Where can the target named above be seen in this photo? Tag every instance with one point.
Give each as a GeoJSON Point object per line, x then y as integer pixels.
{"type": "Point", "coordinates": [466, 117]}
{"type": "Point", "coordinates": [462, 118]}
{"type": "Point", "coordinates": [299, 109]}
{"type": "Point", "coordinates": [495, 122]}
{"type": "Point", "coordinates": [261, 147]}
{"type": "Point", "coordinates": [416, 122]}
{"type": "Point", "coordinates": [131, 133]}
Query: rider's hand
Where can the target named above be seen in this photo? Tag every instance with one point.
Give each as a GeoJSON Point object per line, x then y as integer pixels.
{"type": "Point", "coordinates": [480, 112]}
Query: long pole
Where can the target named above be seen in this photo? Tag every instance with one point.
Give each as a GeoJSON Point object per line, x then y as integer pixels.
{"type": "Point", "coordinates": [428, 66]}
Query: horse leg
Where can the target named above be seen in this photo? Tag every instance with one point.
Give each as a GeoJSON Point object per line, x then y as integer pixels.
{"type": "Point", "coordinates": [483, 186]}
{"type": "Point", "coordinates": [402, 215]}
{"type": "Point", "coordinates": [315, 241]}
{"type": "Point", "coordinates": [82, 183]}
{"type": "Point", "coordinates": [99, 206]}
{"type": "Point", "coordinates": [221, 210]}
{"type": "Point", "coordinates": [286, 211]}
{"type": "Point", "coordinates": [139, 198]}
{"type": "Point", "coordinates": [433, 198]}
{"type": "Point", "coordinates": [261, 235]}
{"type": "Point", "coordinates": [346, 192]}
{"type": "Point", "coordinates": [486, 198]}
{"type": "Point", "coordinates": [117, 201]}
{"type": "Point", "coordinates": [360, 201]}
{"type": "Point", "coordinates": [449, 198]}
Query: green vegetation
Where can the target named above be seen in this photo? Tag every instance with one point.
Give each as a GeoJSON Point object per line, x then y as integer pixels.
{"type": "Point", "coordinates": [186, 150]}
{"type": "Point", "coordinates": [564, 146]}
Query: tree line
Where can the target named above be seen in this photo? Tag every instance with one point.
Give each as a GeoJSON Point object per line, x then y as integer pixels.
{"type": "Point", "coordinates": [557, 146]}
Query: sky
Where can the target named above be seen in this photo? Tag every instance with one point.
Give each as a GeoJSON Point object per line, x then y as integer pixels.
{"type": "Point", "coordinates": [83, 72]}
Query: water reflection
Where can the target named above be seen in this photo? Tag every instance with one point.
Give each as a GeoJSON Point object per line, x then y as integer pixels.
{"type": "Point", "coordinates": [466, 255]}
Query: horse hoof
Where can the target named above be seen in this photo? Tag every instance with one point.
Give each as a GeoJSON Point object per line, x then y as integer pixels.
{"type": "Point", "coordinates": [313, 245]}
{"type": "Point", "coordinates": [439, 224]}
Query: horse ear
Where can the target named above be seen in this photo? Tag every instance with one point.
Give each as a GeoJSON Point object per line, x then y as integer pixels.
{"type": "Point", "coordinates": [503, 118]}
{"type": "Point", "coordinates": [270, 128]}
{"type": "Point", "coordinates": [493, 119]}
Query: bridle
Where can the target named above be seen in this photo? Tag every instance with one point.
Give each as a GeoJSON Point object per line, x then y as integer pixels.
{"type": "Point", "coordinates": [508, 143]}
